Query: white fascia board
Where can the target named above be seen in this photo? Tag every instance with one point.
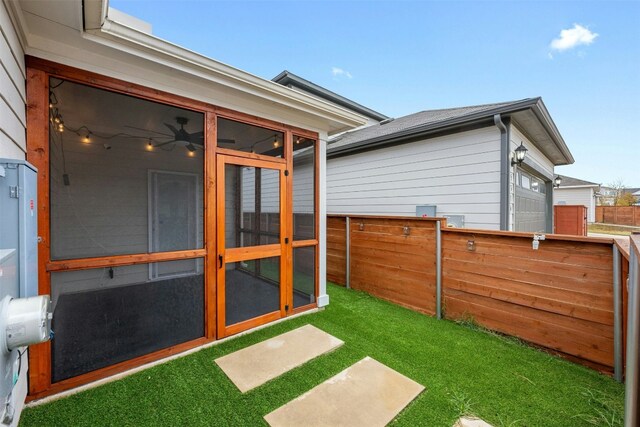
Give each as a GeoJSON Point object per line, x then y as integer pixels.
{"type": "Point", "coordinates": [134, 42]}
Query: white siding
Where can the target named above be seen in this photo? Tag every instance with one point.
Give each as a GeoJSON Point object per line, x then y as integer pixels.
{"type": "Point", "coordinates": [12, 90]}
{"type": "Point", "coordinates": [459, 173]}
{"type": "Point", "coordinates": [577, 196]}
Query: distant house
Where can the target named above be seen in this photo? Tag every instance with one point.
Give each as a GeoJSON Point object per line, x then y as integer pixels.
{"type": "Point", "coordinates": [607, 195]}
{"type": "Point", "coordinates": [456, 162]}
{"type": "Point", "coordinates": [575, 191]}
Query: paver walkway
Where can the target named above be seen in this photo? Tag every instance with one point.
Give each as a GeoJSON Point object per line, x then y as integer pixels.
{"type": "Point", "coordinates": [255, 365]}
{"type": "Point", "coordinates": [367, 394]}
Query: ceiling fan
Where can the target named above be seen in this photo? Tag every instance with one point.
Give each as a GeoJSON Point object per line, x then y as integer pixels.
{"type": "Point", "coordinates": [192, 141]}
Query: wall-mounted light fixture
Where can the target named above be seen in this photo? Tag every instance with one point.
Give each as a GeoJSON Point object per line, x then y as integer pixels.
{"type": "Point", "coordinates": [557, 181]}
{"type": "Point", "coordinates": [518, 155]}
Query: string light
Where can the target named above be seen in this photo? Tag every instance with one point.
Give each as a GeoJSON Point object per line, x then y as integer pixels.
{"type": "Point", "coordinates": [298, 140]}
{"type": "Point", "coordinates": [276, 143]}
{"type": "Point", "coordinates": [150, 145]}
{"type": "Point", "coordinates": [191, 153]}
{"type": "Point", "coordinates": [87, 138]}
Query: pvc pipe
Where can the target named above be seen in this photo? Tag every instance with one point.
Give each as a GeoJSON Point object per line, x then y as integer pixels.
{"type": "Point", "coordinates": [617, 317]}
{"type": "Point", "coordinates": [438, 271]}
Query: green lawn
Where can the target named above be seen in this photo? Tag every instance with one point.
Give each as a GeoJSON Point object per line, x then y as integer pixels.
{"type": "Point", "coordinates": [465, 371]}
{"type": "Point", "coordinates": [620, 230]}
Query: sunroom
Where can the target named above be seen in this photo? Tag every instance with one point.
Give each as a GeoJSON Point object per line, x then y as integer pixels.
{"type": "Point", "coordinates": [175, 207]}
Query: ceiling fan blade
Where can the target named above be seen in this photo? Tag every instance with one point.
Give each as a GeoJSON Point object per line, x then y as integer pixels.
{"type": "Point", "coordinates": [172, 129]}
{"type": "Point", "coordinates": [147, 130]}
{"type": "Point", "coordinates": [197, 134]}
{"type": "Point", "coordinates": [165, 143]}
{"type": "Point", "coordinates": [226, 141]}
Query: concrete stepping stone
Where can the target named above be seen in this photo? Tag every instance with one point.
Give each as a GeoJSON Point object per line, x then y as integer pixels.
{"type": "Point", "coordinates": [255, 365]}
{"type": "Point", "coordinates": [471, 422]}
{"type": "Point", "coordinates": [366, 394]}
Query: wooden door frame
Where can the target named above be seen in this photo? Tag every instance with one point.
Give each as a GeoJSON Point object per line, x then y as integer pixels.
{"type": "Point", "coordinates": [39, 71]}
{"type": "Point", "coordinates": [229, 255]}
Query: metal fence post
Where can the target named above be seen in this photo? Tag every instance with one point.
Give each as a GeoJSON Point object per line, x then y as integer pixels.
{"type": "Point", "coordinates": [347, 278]}
{"type": "Point", "coordinates": [633, 318]}
{"type": "Point", "coordinates": [617, 317]}
{"type": "Point", "coordinates": [438, 271]}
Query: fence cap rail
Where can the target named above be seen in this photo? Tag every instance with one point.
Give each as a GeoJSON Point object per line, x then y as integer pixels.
{"type": "Point", "coordinates": [548, 236]}
{"type": "Point", "coordinates": [624, 246]}
{"type": "Point", "coordinates": [399, 218]}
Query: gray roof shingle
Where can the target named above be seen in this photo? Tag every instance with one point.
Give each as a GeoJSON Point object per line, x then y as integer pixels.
{"type": "Point", "coordinates": [568, 181]}
{"type": "Point", "coordinates": [420, 119]}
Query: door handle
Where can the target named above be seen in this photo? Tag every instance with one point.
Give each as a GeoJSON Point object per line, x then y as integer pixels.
{"type": "Point", "coordinates": [220, 261]}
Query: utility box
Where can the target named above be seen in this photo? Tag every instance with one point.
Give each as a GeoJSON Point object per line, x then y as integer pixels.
{"type": "Point", "coordinates": [423, 211]}
{"type": "Point", "coordinates": [454, 221]}
{"type": "Point", "coordinates": [18, 229]}
{"type": "Point", "coordinates": [21, 318]}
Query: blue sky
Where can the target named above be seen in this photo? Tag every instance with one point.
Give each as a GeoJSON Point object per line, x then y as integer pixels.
{"type": "Point", "coordinates": [405, 56]}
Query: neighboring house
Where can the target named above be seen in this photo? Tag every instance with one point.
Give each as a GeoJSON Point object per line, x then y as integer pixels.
{"type": "Point", "coordinates": [607, 196]}
{"type": "Point", "coordinates": [172, 204]}
{"type": "Point", "coordinates": [573, 191]}
{"type": "Point", "coordinates": [456, 159]}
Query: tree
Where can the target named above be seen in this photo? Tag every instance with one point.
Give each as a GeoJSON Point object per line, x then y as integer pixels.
{"type": "Point", "coordinates": [626, 199]}
{"type": "Point", "coordinates": [618, 187]}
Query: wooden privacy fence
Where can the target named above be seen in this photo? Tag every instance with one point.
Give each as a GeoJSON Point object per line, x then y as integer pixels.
{"type": "Point", "coordinates": [621, 215]}
{"type": "Point", "coordinates": [560, 296]}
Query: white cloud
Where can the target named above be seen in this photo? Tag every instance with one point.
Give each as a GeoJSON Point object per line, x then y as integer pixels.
{"type": "Point", "coordinates": [338, 72]}
{"type": "Point", "coordinates": [576, 36]}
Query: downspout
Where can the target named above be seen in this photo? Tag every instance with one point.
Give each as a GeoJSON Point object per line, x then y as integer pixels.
{"type": "Point", "coordinates": [504, 171]}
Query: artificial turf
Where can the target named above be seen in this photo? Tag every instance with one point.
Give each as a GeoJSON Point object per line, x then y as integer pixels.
{"type": "Point", "coordinates": [464, 370]}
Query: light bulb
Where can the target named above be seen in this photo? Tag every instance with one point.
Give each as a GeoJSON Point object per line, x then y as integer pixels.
{"type": "Point", "coordinates": [297, 140]}
{"type": "Point", "coordinates": [192, 153]}
{"type": "Point", "coordinates": [60, 127]}
{"type": "Point", "coordinates": [86, 139]}
{"type": "Point", "coordinates": [56, 119]}
{"type": "Point", "coordinates": [149, 146]}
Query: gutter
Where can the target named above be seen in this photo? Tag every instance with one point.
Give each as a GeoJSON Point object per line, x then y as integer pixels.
{"type": "Point", "coordinates": [125, 38]}
{"type": "Point", "coordinates": [504, 171]}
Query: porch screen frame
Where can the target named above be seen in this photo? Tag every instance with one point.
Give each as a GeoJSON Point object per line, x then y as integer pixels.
{"type": "Point", "coordinates": [39, 72]}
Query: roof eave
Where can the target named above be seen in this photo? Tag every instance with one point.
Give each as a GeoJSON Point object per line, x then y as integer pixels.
{"type": "Point", "coordinates": [541, 112]}
{"type": "Point", "coordinates": [100, 28]}
{"type": "Point", "coordinates": [424, 130]}
{"type": "Point", "coordinates": [286, 78]}
{"type": "Point", "coordinates": [534, 104]}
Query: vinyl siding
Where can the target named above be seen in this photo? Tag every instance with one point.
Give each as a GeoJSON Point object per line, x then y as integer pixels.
{"type": "Point", "coordinates": [577, 196]}
{"type": "Point", "coordinates": [12, 90]}
{"type": "Point", "coordinates": [459, 173]}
